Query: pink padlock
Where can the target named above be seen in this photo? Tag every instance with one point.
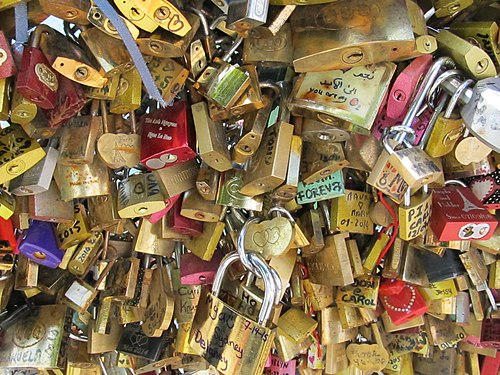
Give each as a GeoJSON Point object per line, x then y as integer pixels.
{"type": "Point", "coordinates": [169, 203]}
{"type": "Point", "coordinates": [196, 271]}
{"type": "Point", "coordinates": [405, 86]}
{"type": "Point", "coordinates": [279, 367]}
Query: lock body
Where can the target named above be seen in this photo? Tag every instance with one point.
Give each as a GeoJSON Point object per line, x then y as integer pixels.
{"type": "Point", "coordinates": [166, 137]}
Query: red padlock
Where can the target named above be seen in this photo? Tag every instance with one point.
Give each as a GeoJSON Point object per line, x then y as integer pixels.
{"type": "Point", "coordinates": [7, 63]}
{"type": "Point", "coordinates": [37, 81]}
{"type": "Point", "coordinates": [181, 224]}
{"type": "Point", "coordinates": [196, 271]}
{"type": "Point", "coordinates": [70, 100]}
{"type": "Point", "coordinates": [401, 300]}
{"type": "Point", "coordinates": [166, 138]}
{"type": "Point", "coordinates": [8, 241]}
{"type": "Point", "coordinates": [458, 215]}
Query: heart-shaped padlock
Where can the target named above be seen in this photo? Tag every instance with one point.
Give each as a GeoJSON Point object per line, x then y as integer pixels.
{"type": "Point", "coordinates": [270, 237]}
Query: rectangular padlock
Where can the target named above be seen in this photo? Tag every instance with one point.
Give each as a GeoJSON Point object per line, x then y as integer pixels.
{"type": "Point", "coordinates": [166, 137]}
{"type": "Point", "coordinates": [458, 215]}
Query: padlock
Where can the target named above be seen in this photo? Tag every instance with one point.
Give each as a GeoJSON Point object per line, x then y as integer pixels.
{"type": "Point", "coordinates": [128, 94]}
{"type": "Point", "coordinates": [97, 18]}
{"type": "Point", "coordinates": [130, 10]}
{"type": "Point", "coordinates": [53, 317]}
{"type": "Point", "coordinates": [363, 293]}
{"type": "Point", "coordinates": [247, 14]}
{"type": "Point", "coordinates": [70, 100]}
{"type": "Point", "coordinates": [36, 80]}
{"type": "Point", "coordinates": [178, 178]}
{"type": "Point", "coordinates": [78, 231]}
{"type": "Point", "coordinates": [8, 242]}
{"type": "Point", "coordinates": [83, 181]}
{"type": "Point", "coordinates": [325, 40]}
{"type": "Point", "coordinates": [149, 241]}
{"type": "Point", "coordinates": [207, 182]}
{"type": "Point", "coordinates": [321, 160]}
{"type": "Point", "coordinates": [482, 34]}
{"type": "Point", "coordinates": [39, 243]}
{"type": "Point", "coordinates": [86, 254]}
{"type": "Point", "coordinates": [310, 221]}
{"type": "Point", "coordinates": [72, 11]}
{"type": "Point", "coordinates": [254, 125]}
{"type": "Point", "coordinates": [7, 64]}
{"type": "Point", "coordinates": [414, 165]}
{"type": "Point", "coordinates": [469, 57]}
{"type": "Point", "coordinates": [260, 337]}
{"type": "Point", "coordinates": [166, 16]}
{"type": "Point", "coordinates": [262, 45]}
{"type": "Point", "coordinates": [249, 101]}
{"type": "Point", "coordinates": [350, 213]}
{"type": "Point", "coordinates": [134, 342]}
{"type": "Point", "coordinates": [49, 206]}
{"type": "Point", "coordinates": [458, 215]}
{"type": "Point", "coordinates": [196, 208]}
{"type": "Point", "coordinates": [80, 295]}
{"type": "Point", "coordinates": [415, 214]}
{"type": "Point", "coordinates": [69, 60]}
{"type": "Point", "coordinates": [212, 143]}
{"type": "Point", "coordinates": [107, 92]}
{"type": "Point", "coordinates": [222, 83]}
{"type": "Point", "coordinates": [296, 325]}
{"type": "Point", "coordinates": [103, 212]}
{"type": "Point", "coordinates": [79, 136]}
{"type": "Point", "coordinates": [269, 165]}
{"type": "Point", "coordinates": [204, 244]}
{"type": "Point", "coordinates": [18, 152]}
{"type": "Point", "coordinates": [335, 96]}
{"type": "Point", "coordinates": [160, 309]}
{"type": "Point", "coordinates": [195, 271]}
{"type": "Point", "coordinates": [139, 195]}
{"type": "Point", "coordinates": [22, 110]}
{"type": "Point", "coordinates": [169, 76]}
{"type": "Point", "coordinates": [166, 137]}
{"type": "Point", "coordinates": [118, 150]}
{"type": "Point", "coordinates": [402, 301]}
{"type": "Point", "coordinates": [110, 53]}
{"type": "Point", "coordinates": [162, 43]}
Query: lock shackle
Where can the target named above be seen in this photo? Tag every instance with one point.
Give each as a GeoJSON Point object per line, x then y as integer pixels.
{"type": "Point", "coordinates": [269, 289]}
{"type": "Point", "coordinates": [237, 42]}
{"type": "Point", "coordinates": [276, 89]}
{"type": "Point", "coordinates": [454, 98]}
{"type": "Point", "coordinates": [432, 122]}
{"type": "Point", "coordinates": [439, 80]}
{"type": "Point", "coordinates": [423, 89]}
{"type": "Point", "coordinates": [401, 130]}
{"type": "Point", "coordinates": [283, 211]}
{"type": "Point", "coordinates": [272, 273]}
{"type": "Point", "coordinates": [217, 21]}
{"type": "Point", "coordinates": [203, 20]}
{"type": "Point", "coordinates": [455, 182]}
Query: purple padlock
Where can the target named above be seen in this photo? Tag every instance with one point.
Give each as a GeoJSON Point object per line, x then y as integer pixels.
{"type": "Point", "coordinates": [39, 243]}
{"type": "Point", "coordinates": [195, 271]}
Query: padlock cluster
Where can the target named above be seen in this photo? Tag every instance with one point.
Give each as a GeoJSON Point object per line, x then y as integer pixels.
{"type": "Point", "coordinates": [249, 187]}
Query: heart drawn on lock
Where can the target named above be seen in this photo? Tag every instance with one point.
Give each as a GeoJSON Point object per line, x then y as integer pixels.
{"type": "Point", "coordinates": [270, 237]}
{"type": "Point", "coordinates": [483, 188]}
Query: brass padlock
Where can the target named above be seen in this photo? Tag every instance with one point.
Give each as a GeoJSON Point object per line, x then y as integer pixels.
{"type": "Point", "coordinates": [97, 18]}
{"type": "Point", "coordinates": [169, 76]}
{"type": "Point", "coordinates": [22, 110]}
{"type": "Point", "coordinates": [79, 136]}
{"type": "Point", "coordinates": [269, 165]}
{"type": "Point", "coordinates": [139, 195]}
{"type": "Point", "coordinates": [72, 11]}
{"type": "Point", "coordinates": [128, 94]}
{"type": "Point", "coordinates": [18, 152]}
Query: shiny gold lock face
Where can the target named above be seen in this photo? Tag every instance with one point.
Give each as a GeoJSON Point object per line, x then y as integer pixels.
{"type": "Point", "coordinates": [139, 195]}
{"type": "Point", "coordinates": [22, 110]}
{"type": "Point", "coordinates": [482, 34]}
{"type": "Point", "coordinates": [275, 49]}
{"type": "Point", "coordinates": [18, 152]}
{"type": "Point", "coordinates": [351, 213]}
{"type": "Point", "coordinates": [269, 165]}
{"type": "Point", "coordinates": [128, 94]}
{"type": "Point", "coordinates": [78, 231]}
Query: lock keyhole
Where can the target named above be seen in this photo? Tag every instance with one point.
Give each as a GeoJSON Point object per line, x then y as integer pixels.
{"type": "Point", "coordinates": [399, 95]}
{"type": "Point", "coordinates": [162, 13]}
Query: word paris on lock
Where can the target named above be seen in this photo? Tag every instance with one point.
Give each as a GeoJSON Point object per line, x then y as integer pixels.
{"type": "Point", "coordinates": [249, 187]}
